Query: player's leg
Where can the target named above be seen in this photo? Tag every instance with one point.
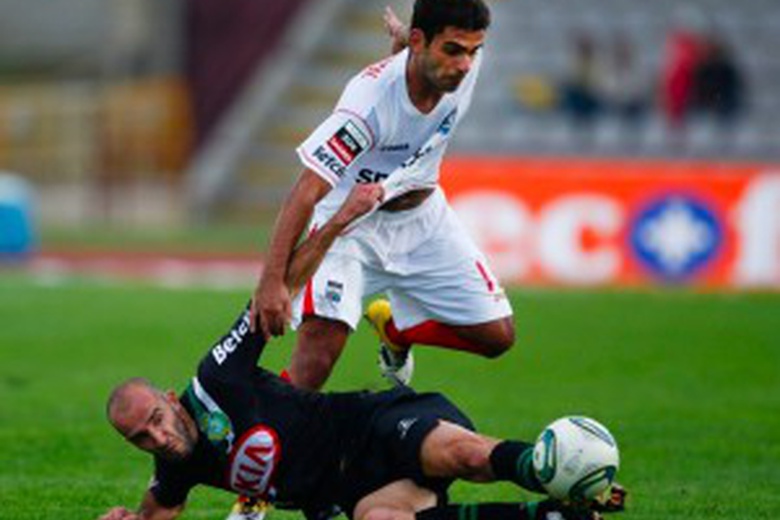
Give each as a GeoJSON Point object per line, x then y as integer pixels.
{"type": "Point", "coordinates": [445, 295]}
{"type": "Point", "coordinates": [431, 440]}
{"type": "Point", "coordinates": [398, 500]}
{"type": "Point", "coordinates": [489, 339]}
{"type": "Point", "coordinates": [452, 451]}
{"type": "Point", "coordinates": [405, 500]}
{"type": "Point", "coordinates": [319, 344]}
{"type": "Point", "coordinates": [451, 307]}
{"type": "Point", "coordinates": [548, 509]}
{"type": "Point", "coordinates": [324, 314]}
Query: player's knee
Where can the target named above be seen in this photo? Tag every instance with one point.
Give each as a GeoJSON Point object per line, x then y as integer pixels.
{"type": "Point", "coordinates": [501, 339]}
{"type": "Point", "coordinates": [471, 458]}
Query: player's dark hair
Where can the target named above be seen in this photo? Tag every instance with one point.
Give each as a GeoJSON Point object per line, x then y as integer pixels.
{"type": "Point", "coordinates": [433, 16]}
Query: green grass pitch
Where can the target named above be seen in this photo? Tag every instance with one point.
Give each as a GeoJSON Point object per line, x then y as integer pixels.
{"type": "Point", "coordinates": [688, 383]}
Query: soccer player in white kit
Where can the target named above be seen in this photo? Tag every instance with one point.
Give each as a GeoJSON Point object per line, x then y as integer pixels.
{"type": "Point", "coordinates": [391, 125]}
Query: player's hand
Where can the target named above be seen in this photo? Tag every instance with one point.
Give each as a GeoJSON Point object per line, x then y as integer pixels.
{"type": "Point", "coordinates": [361, 200]}
{"type": "Point", "coordinates": [395, 29]}
{"type": "Point", "coordinates": [271, 307]}
{"type": "Point", "coordinates": [120, 513]}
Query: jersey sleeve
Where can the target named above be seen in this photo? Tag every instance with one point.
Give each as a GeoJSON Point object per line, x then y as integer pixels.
{"type": "Point", "coordinates": [236, 353]}
{"type": "Point", "coordinates": [170, 488]}
{"type": "Point", "coordinates": [337, 144]}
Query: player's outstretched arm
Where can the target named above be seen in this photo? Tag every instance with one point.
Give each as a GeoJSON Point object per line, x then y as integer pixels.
{"type": "Point", "coordinates": [271, 305]}
{"type": "Point", "coordinates": [150, 510]}
{"type": "Point", "coordinates": [308, 255]}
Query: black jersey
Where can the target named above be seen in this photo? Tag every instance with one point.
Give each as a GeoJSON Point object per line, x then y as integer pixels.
{"type": "Point", "coordinates": [260, 436]}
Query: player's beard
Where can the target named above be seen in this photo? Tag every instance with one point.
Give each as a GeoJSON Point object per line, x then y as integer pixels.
{"type": "Point", "coordinates": [434, 75]}
{"type": "Point", "coordinates": [184, 438]}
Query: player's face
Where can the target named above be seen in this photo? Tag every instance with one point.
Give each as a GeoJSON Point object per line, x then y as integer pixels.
{"type": "Point", "coordinates": [449, 56]}
{"type": "Point", "coordinates": [158, 424]}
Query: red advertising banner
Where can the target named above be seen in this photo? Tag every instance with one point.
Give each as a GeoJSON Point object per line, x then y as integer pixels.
{"type": "Point", "coordinates": [607, 222]}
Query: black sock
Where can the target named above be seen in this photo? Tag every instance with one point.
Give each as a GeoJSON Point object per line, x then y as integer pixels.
{"type": "Point", "coordinates": [487, 511]}
{"type": "Point", "coordinates": [503, 511]}
{"type": "Point", "coordinates": [513, 461]}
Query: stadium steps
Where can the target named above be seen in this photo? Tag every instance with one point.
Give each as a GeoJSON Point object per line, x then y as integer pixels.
{"type": "Point", "coordinates": [355, 40]}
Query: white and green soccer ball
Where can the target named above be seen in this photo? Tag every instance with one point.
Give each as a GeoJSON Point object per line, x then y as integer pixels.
{"type": "Point", "coordinates": [576, 458]}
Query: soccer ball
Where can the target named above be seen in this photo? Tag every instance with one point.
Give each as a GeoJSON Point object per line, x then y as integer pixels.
{"type": "Point", "coordinates": [575, 458]}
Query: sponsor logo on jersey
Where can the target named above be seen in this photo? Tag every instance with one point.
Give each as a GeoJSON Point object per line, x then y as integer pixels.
{"type": "Point", "coordinates": [366, 176]}
{"type": "Point", "coordinates": [231, 341]}
{"type": "Point", "coordinates": [253, 461]}
{"type": "Point", "coordinates": [395, 147]}
{"type": "Point", "coordinates": [329, 161]}
{"type": "Point", "coordinates": [404, 425]}
{"type": "Point", "coordinates": [348, 143]}
{"type": "Point", "coordinates": [675, 237]}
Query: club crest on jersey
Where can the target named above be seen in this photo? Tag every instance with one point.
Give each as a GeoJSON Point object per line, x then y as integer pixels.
{"type": "Point", "coordinates": [216, 425]}
{"type": "Point", "coordinates": [439, 137]}
{"type": "Point", "coordinates": [446, 125]}
{"type": "Point", "coordinates": [348, 143]}
{"type": "Point", "coordinates": [334, 290]}
{"type": "Point", "coordinates": [253, 461]}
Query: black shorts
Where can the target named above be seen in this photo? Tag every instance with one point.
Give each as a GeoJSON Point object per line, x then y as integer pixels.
{"type": "Point", "coordinates": [391, 449]}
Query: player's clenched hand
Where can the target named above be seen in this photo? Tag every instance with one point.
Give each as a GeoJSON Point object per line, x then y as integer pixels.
{"type": "Point", "coordinates": [362, 199]}
{"type": "Point", "coordinates": [271, 307]}
{"type": "Point", "coordinates": [120, 513]}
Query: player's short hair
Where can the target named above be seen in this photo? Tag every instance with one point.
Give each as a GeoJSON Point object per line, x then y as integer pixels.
{"type": "Point", "coordinates": [433, 16]}
{"type": "Point", "coordinates": [118, 397]}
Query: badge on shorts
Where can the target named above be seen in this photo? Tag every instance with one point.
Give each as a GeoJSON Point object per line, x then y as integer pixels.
{"type": "Point", "coordinates": [334, 290]}
{"type": "Point", "coordinates": [348, 143]}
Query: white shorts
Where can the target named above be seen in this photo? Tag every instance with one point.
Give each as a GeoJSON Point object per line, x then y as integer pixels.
{"type": "Point", "coordinates": [423, 259]}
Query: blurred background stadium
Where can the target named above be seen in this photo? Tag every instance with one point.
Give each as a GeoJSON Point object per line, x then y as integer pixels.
{"type": "Point", "coordinates": [612, 145]}
{"type": "Point", "coordinates": [173, 122]}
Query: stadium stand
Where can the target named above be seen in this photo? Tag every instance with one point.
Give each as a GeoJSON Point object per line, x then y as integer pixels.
{"type": "Point", "coordinates": [531, 39]}
{"type": "Point", "coordinates": [62, 85]}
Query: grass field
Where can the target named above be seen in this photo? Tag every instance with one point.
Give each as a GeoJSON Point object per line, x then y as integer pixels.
{"type": "Point", "coordinates": [689, 384]}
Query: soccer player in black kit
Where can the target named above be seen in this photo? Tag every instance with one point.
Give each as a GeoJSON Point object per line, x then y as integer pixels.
{"type": "Point", "coordinates": [374, 456]}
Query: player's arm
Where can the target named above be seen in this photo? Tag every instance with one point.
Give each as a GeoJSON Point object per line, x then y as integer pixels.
{"type": "Point", "coordinates": [308, 255]}
{"type": "Point", "coordinates": [150, 510]}
{"type": "Point", "coordinates": [398, 32]}
{"type": "Point", "coordinates": [271, 304]}
{"type": "Point", "coordinates": [239, 349]}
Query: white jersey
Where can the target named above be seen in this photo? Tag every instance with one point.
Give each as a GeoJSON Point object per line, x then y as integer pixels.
{"type": "Point", "coordinates": [376, 134]}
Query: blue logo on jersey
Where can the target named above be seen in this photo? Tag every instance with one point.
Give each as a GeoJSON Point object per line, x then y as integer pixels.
{"type": "Point", "coordinates": [446, 125]}
{"type": "Point", "coordinates": [675, 237]}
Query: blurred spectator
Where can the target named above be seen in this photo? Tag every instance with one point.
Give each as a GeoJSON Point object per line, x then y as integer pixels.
{"type": "Point", "coordinates": [580, 91]}
{"type": "Point", "coordinates": [535, 92]}
{"type": "Point", "coordinates": [625, 85]}
{"type": "Point", "coordinates": [718, 85]}
{"type": "Point", "coordinates": [682, 54]}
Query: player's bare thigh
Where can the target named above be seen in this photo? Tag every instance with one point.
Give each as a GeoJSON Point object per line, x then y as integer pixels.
{"type": "Point", "coordinates": [398, 500]}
